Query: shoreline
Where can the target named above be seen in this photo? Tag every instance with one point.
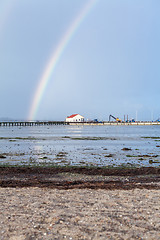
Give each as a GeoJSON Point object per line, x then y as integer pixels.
{"type": "Point", "coordinates": [90, 170]}
{"type": "Point", "coordinates": [80, 178]}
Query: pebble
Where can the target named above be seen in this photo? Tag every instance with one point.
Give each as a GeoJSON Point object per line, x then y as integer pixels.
{"type": "Point", "coordinates": [79, 214]}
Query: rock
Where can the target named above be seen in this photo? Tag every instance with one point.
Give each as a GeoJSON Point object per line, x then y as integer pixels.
{"type": "Point", "coordinates": [126, 149]}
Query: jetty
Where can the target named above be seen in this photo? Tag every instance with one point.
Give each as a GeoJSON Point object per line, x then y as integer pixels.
{"type": "Point", "coordinates": [107, 123]}
{"type": "Point", "coordinates": [31, 123]}
{"type": "Point", "coordinates": [92, 123]}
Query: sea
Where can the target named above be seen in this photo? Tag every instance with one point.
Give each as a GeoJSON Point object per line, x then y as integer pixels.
{"type": "Point", "coordinates": [65, 145]}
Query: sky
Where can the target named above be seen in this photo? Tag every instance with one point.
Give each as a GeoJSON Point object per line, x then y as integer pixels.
{"type": "Point", "coordinates": [107, 64]}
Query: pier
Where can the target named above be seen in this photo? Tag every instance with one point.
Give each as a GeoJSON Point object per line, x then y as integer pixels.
{"type": "Point", "coordinates": [31, 123]}
{"type": "Point", "coordinates": [45, 123]}
{"type": "Point", "coordinates": [114, 123]}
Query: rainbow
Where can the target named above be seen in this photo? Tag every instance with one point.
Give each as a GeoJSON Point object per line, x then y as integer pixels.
{"type": "Point", "coordinates": [51, 65]}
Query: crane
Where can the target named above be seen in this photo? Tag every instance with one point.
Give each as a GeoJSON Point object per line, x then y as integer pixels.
{"type": "Point", "coordinates": [117, 119]}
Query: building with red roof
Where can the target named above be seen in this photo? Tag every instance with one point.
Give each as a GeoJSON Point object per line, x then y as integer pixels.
{"type": "Point", "coordinates": [75, 118]}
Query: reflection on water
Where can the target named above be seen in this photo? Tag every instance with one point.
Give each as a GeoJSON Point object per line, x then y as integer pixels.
{"type": "Point", "coordinates": [81, 145]}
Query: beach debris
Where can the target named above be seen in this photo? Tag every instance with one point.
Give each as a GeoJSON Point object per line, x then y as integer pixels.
{"type": "Point", "coordinates": [151, 161]}
{"type": "Point", "coordinates": [109, 155]}
{"type": "Point", "coordinates": [126, 149]}
{"type": "Point", "coordinates": [146, 155]}
{"type": "Point", "coordinates": [61, 154]}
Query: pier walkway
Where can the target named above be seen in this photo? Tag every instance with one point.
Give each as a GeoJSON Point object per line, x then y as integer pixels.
{"type": "Point", "coordinates": [44, 123]}
{"type": "Point", "coordinates": [32, 123]}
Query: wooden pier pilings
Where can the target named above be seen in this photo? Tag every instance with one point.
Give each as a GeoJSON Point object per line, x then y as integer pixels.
{"type": "Point", "coordinates": [32, 123]}
{"type": "Point", "coordinates": [45, 123]}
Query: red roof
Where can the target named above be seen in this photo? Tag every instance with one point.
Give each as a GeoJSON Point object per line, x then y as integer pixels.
{"type": "Point", "coordinates": [73, 115]}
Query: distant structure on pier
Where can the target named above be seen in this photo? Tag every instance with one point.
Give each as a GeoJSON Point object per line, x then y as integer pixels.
{"type": "Point", "coordinates": [75, 118]}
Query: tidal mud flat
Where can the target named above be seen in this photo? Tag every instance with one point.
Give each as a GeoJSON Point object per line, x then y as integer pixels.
{"type": "Point", "coordinates": [108, 146]}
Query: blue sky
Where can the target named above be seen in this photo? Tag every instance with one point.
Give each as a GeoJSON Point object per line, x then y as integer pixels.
{"type": "Point", "coordinates": [110, 65]}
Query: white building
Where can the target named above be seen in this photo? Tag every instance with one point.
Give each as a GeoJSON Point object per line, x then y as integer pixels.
{"type": "Point", "coordinates": [75, 118]}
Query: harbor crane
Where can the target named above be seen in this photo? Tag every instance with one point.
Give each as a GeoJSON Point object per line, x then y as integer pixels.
{"type": "Point", "coordinates": [117, 119]}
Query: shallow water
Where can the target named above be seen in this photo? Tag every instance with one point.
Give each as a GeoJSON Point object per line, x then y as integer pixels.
{"type": "Point", "coordinates": [81, 145]}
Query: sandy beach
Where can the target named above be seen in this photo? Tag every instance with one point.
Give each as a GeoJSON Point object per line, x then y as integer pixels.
{"type": "Point", "coordinates": [42, 204]}
{"type": "Point", "coordinates": [41, 213]}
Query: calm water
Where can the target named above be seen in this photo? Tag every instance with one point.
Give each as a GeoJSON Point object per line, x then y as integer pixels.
{"type": "Point", "coordinates": [81, 145]}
